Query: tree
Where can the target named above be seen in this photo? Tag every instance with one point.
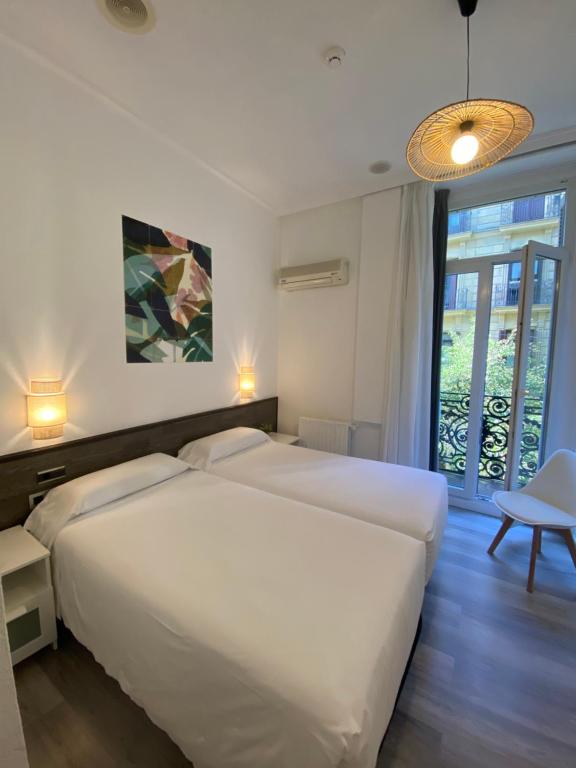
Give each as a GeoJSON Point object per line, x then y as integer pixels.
{"type": "Point", "coordinates": [457, 357]}
{"type": "Point", "coordinates": [456, 376]}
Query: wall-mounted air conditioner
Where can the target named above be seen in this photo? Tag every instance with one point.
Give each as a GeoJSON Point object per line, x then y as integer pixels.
{"type": "Point", "coordinates": [320, 275]}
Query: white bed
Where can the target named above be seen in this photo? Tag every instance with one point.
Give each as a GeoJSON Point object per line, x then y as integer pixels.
{"type": "Point", "coordinates": [256, 631]}
{"type": "Point", "coordinates": [411, 501]}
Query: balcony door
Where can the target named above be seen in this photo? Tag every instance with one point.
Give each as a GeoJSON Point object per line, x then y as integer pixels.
{"type": "Point", "coordinates": [499, 327]}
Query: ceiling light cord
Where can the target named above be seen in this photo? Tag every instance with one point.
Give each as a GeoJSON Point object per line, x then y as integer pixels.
{"type": "Point", "coordinates": [466, 137]}
{"type": "Point", "coordinates": [467, 58]}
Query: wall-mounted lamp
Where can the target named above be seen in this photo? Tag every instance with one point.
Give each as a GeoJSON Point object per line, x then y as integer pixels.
{"type": "Point", "coordinates": [46, 408]}
{"type": "Point", "coordinates": [247, 382]}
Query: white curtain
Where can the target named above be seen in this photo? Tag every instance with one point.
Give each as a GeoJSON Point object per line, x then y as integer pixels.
{"type": "Point", "coordinates": [405, 437]}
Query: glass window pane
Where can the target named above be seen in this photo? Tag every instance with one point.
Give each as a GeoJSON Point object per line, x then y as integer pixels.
{"type": "Point", "coordinates": [459, 324]}
{"type": "Point", "coordinates": [487, 230]}
{"type": "Point", "coordinates": [499, 378]}
{"type": "Point", "coordinates": [539, 351]}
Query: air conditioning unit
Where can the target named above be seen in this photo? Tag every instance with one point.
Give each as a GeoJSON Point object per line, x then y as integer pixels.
{"type": "Point", "coordinates": [320, 275]}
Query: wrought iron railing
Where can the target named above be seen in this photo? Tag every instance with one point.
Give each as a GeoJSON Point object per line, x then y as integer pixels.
{"type": "Point", "coordinates": [453, 436]}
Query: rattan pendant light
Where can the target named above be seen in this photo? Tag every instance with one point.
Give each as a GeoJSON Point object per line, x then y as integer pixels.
{"type": "Point", "coordinates": [468, 136]}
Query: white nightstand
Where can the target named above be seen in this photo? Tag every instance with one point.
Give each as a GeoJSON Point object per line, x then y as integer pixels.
{"type": "Point", "coordinates": [278, 437]}
{"type": "Point", "coordinates": [26, 584]}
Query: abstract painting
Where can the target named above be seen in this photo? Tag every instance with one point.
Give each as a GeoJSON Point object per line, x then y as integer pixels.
{"type": "Point", "coordinates": [168, 296]}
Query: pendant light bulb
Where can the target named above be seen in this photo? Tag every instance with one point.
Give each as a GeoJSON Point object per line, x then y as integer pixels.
{"type": "Point", "coordinates": [446, 144]}
{"type": "Point", "coordinates": [466, 146]}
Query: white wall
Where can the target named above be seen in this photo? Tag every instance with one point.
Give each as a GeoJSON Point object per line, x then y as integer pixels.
{"type": "Point", "coordinates": [332, 353]}
{"type": "Point", "coordinates": [72, 164]}
{"type": "Point", "coordinates": [379, 249]}
{"type": "Point", "coordinates": [332, 340]}
{"type": "Point", "coordinates": [317, 328]}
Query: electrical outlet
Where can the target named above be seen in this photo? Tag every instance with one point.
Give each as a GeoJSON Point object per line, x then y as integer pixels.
{"type": "Point", "coordinates": [35, 498]}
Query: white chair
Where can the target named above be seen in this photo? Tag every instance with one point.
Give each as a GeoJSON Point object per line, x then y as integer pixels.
{"type": "Point", "coordinates": [547, 501]}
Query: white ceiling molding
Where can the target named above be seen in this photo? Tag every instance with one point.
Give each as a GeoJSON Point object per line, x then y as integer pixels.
{"type": "Point", "coordinates": [514, 184]}
{"type": "Point", "coordinates": [45, 62]}
{"type": "Point", "coordinates": [545, 141]}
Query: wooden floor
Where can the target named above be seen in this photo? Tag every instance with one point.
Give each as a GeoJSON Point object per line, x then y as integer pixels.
{"type": "Point", "coordinates": [493, 683]}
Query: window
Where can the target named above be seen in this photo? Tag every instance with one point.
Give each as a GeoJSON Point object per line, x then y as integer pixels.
{"type": "Point", "coordinates": [488, 230]}
{"type": "Point", "coordinates": [450, 292]}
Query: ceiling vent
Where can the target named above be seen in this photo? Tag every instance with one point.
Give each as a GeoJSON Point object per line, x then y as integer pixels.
{"type": "Point", "coordinates": [380, 166]}
{"type": "Point", "coordinates": [129, 15]}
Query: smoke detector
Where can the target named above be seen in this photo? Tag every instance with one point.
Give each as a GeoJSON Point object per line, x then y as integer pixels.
{"type": "Point", "coordinates": [134, 16]}
{"type": "Point", "coordinates": [334, 56]}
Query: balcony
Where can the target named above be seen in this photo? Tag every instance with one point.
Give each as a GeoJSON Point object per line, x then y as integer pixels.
{"type": "Point", "coordinates": [487, 218]}
{"type": "Point", "coordinates": [453, 439]}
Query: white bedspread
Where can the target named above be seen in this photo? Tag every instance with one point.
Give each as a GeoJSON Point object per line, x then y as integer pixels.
{"type": "Point", "coordinates": [411, 501]}
{"type": "Point", "coordinates": [258, 632]}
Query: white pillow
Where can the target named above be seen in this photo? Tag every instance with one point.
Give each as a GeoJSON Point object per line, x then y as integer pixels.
{"type": "Point", "coordinates": [82, 495]}
{"type": "Point", "coordinates": [202, 453]}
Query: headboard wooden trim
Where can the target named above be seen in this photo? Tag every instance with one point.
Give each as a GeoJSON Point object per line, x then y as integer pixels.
{"type": "Point", "coordinates": [18, 470]}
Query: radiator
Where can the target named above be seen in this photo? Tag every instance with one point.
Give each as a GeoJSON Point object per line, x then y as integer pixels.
{"type": "Point", "coordinates": [325, 435]}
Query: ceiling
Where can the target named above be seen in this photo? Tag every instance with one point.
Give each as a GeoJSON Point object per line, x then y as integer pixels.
{"type": "Point", "coordinates": [243, 86]}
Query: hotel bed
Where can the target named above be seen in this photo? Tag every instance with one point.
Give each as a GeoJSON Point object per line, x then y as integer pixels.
{"type": "Point", "coordinates": [410, 501]}
{"type": "Point", "coordinates": [258, 632]}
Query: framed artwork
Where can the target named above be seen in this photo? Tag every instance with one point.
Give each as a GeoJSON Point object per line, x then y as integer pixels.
{"type": "Point", "coordinates": [168, 296]}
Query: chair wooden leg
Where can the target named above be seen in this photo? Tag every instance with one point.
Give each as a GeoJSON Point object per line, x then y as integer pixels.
{"type": "Point", "coordinates": [567, 534]}
{"type": "Point", "coordinates": [501, 533]}
{"type": "Point", "coordinates": [536, 539]}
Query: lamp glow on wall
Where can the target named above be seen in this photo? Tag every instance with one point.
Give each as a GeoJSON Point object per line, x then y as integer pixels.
{"type": "Point", "coordinates": [46, 407]}
{"type": "Point", "coordinates": [247, 382]}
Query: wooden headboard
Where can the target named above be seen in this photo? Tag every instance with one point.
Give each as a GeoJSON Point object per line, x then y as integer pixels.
{"type": "Point", "coordinates": [18, 471]}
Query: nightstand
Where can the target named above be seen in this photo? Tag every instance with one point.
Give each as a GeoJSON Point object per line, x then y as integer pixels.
{"type": "Point", "coordinates": [279, 437]}
{"type": "Point", "coordinates": [26, 584]}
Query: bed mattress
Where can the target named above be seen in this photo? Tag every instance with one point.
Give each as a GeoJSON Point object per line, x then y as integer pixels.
{"type": "Point", "coordinates": [411, 501]}
{"type": "Point", "coordinates": [256, 631]}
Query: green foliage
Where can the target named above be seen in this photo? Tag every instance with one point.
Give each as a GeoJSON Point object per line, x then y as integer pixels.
{"type": "Point", "coordinates": [199, 347]}
{"type": "Point", "coordinates": [457, 359]}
